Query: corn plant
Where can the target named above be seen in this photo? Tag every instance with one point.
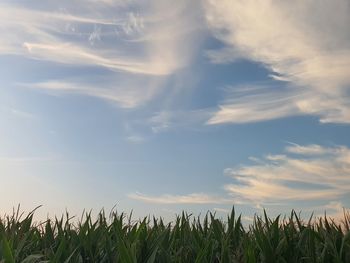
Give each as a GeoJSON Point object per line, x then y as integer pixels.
{"type": "Point", "coordinates": [117, 238]}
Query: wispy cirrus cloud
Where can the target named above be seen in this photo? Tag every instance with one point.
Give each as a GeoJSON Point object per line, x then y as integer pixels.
{"type": "Point", "coordinates": [256, 103]}
{"type": "Point", "coordinates": [313, 173]}
{"type": "Point", "coordinates": [167, 120]}
{"type": "Point", "coordinates": [123, 91]}
{"type": "Point", "coordinates": [312, 149]}
{"type": "Point", "coordinates": [130, 40]}
{"type": "Point", "coordinates": [303, 44]}
{"type": "Point", "coordinates": [303, 173]}
{"type": "Point", "coordinates": [194, 198]}
{"type": "Point", "coordinates": [62, 37]}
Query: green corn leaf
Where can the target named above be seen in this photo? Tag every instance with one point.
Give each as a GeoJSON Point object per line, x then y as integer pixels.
{"type": "Point", "coordinates": [32, 259]}
{"type": "Point", "coordinates": [6, 250]}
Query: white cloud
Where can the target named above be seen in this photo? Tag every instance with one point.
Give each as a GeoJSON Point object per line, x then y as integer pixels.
{"type": "Point", "coordinates": [305, 43]}
{"type": "Point", "coordinates": [95, 36]}
{"type": "Point", "coordinates": [254, 104]}
{"type": "Point", "coordinates": [314, 175]}
{"type": "Point", "coordinates": [323, 175]}
{"type": "Point", "coordinates": [312, 149]}
{"type": "Point", "coordinates": [194, 198]}
{"type": "Point", "coordinates": [129, 39]}
{"type": "Point", "coordinates": [44, 35]}
{"type": "Point", "coordinates": [134, 24]}
{"type": "Point", "coordinates": [122, 91]}
{"type": "Point", "coordinates": [165, 120]}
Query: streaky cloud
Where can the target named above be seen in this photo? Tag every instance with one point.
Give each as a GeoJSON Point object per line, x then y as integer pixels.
{"type": "Point", "coordinates": [122, 92]}
{"type": "Point", "coordinates": [256, 103]}
{"type": "Point", "coordinates": [128, 40]}
{"type": "Point", "coordinates": [323, 172]}
{"type": "Point", "coordinates": [312, 173]}
{"type": "Point", "coordinates": [301, 42]}
{"type": "Point", "coordinates": [312, 149]}
{"type": "Point", "coordinates": [60, 37]}
{"type": "Point", "coordinates": [167, 120]}
{"type": "Point", "coordinates": [194, 198]}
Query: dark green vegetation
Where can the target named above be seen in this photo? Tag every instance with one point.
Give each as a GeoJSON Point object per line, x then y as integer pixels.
{"type": "Point", "coordinates": [116, 238]}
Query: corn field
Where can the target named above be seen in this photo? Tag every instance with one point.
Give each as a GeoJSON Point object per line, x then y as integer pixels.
{"type": "Point", "coordinates": [117, 238]}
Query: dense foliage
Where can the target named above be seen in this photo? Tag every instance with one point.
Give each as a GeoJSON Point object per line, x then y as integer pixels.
{"type": "Point", "coordinates": [116, 238]}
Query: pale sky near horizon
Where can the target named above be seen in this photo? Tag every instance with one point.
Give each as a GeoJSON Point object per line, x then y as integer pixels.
{"type": "Point", "coordinates": [160, 106]}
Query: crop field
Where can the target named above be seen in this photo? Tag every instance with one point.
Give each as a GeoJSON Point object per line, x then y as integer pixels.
{"type": "Point", "coordinates": [117, 238]}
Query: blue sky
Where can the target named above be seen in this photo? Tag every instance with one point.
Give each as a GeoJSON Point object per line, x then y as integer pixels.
{"type": "Point", "coordinates": [161, 106]}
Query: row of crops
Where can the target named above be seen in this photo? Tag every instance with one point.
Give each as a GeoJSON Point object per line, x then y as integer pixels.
{"type": "Point", "coordinates": [117, 238]}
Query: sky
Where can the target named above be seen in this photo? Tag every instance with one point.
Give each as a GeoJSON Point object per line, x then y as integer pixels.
{"type": "Point", "coordinates": [160, 106]}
